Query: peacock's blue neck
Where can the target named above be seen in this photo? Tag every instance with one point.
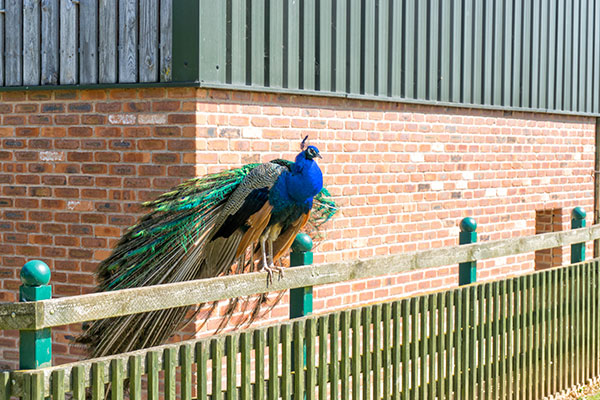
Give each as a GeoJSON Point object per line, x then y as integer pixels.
{"type": "Point", "coordinates": [298, 186]}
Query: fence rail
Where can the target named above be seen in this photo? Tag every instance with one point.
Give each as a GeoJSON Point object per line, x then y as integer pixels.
{"type": "Point", "coordinates": [524, 337]}
{"type": "Point", "coordinates": [70, 310]}
{"type": "Point", "coordinates": [67, 42]}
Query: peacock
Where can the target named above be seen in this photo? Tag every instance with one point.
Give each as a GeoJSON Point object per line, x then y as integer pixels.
{"type": "Point", "coordinates": [234, 221]}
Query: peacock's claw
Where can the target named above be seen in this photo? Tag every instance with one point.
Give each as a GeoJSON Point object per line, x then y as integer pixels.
{"type": "Point", "coordinates": [269, 269]}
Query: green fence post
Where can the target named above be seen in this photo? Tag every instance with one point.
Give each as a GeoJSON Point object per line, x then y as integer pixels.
{"type": "Point", "coordinates": [35, 346]}
{"type": "Point", "coordinates": [467, 271]}
{"type": "Point", "coordinates": [301, 299]}
{"type": "Point", "coordinates": [578, 221]}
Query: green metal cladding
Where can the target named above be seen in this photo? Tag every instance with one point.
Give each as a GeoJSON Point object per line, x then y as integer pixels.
{"type": "Point", "coordinates": [509, 54]}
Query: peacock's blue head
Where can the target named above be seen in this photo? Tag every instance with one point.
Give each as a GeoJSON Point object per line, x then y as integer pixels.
{"type": "Point", "coordinates": [311, 152]}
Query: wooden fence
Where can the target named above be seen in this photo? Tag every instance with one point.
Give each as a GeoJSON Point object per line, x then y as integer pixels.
{"type": "Point", "coordinates": [524, 337]}
{"type": "Point", "coordinates": [67, 42]}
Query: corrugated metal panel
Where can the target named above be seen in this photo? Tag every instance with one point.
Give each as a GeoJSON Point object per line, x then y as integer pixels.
{"type": "Point", "coordinates": [517, 54]}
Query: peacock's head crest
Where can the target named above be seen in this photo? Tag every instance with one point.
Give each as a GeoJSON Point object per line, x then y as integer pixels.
{"type": "Point", "coordinates": [310, 152]}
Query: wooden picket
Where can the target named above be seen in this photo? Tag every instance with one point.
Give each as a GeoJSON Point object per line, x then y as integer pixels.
{"type": "Point", "coordinates": [524, 337]}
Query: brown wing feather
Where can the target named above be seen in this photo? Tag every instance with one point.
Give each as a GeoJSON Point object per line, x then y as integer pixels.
{"type": "Point", "coordinates": [286, 238]}
{"type": "Point", "coordinates": [258, 222]}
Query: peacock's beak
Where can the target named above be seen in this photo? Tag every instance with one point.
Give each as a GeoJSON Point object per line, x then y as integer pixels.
{"type": "Point", "coordinates": [319, 155]}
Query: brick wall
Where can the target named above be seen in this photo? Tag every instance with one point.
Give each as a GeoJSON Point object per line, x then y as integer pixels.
{"type": "Point", "coordinates": [75, 165]}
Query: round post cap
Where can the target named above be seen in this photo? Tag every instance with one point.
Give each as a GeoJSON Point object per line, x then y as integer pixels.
{"type": "Point", "coordinates": [579, 213]}
{"type": "Point", "coordinates": [35, 273]}
{"type": "Point", "coordinates": [302, 243]}
{"type": "Point", "coordinates": [468, 224]}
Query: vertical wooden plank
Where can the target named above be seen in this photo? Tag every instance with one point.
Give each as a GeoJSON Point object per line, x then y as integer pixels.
{"type": "Point", "coordinates": [396, 353]}
{"type": "Point", "coordinates": [166, 40]}
{"type": "Point", "coordinates": [135, 377]}
{"type": "Point", "coordinates": [148, 43]}
{"type": "Point", "coordinates": [2, 37]}
{"type": "Point", "coordinates": [98, 380]}
{"type": "Point", "coordinates": [334, 350]}
{"type": "Point", "coordinates": [414, 346]}
{"type": "Point", "coordinates": [504, 312]}
{"type": "Point", "coordinates": [299, 388]}
{"type": "Point", "coordinates": [31, 42]}
{"type": "Point", "coordinates": [13, 43]}
{"type": "Point", "coordinates": [107, 41]}
{"type": "Point", "coordinates": [286, 361]}
{"type": "Point", "coordinates": [368, 61]}
{"type": "Point", "coordinates": [88, 41]}
{"type": "Point", "coordinates": [481, 360]}
{"type": "Point", "coordinates": [311, 367]}
{"type": "Point", "coordinates": [488, 341]}
{"type": "Point", "coordinates": [257, 35]}
{"type": "Point", "coordinates": [276, 43]}
{"type": "Point", "coordinates": [420, 19]}
{"type": "Point", "coordinates": [34, 388]}
{"type": "Point", "coordinates": [185, 360]}
{"type": "Point", "coordinates": [561, 328]}
{"type": "Point", "coordinates": [345, 356]}
{"type": "Point", "coordinates": [471, 342]}
{"type": "Point", "coordinates": [459, 371]}
{"type": "Point", "coordinates": [78, 382]}
{"type": "Point", "coordinates": [68, 43]}
{"type": "Point", "coordinates": [376, 361]}
{"type": "Point", "coordinates": [510, 341]}
{"type": "Point", "coordinates": [152, 370]}
{"type": "Point", "coordinates": [540, 292]}
{"type": "Point", "coordinates": [406, 313]}
{"type": "Point", "coordinates": [231, 351]}
{"type": "Point", "coordinates": [553, 370]}
{"type": "Point", "coordinates": [445, 58]}
{"type": "Point", "coordinates": [246, 369]}
{"type": "Point", "coordinates": [387, 350]}
{"type": "Point", "coordinates": [441, 345]}
{"type": "Point", "coordinates": [273, 337]}
{"type": "Point", "coordinates": [450, 332]}
{"type": "Point", "coordinates": [433, 325]}
{"type": "Point", "coordinates": [259, 363]}
{"type": "Point", "coordinates": [423, 347]}
{"type": "Point", "coordinates": [117, 376]}
{"type": "Point", "coordinates": [170, 367]}
{"type": "Point", "coordinates": [577, 314]}
{"type": "Point", "coordinates": [573, 309]}
{"type": "Point", "coordinates": [323, 346]}
{"type": "Point", "coordinates": [216, 355]}
{"type": "Point", "coordinates": [57, 385]}
{"type": "Point", "coordinates": [355, 354]}
{"type": "Point", "coordinates": [201, 350]}
{"type": "Point", "coordinates": [367, 356]}
{"type": "Point", "coordinates": [434, 49]}
{"type": "Point", "coordinates": [128, 41]}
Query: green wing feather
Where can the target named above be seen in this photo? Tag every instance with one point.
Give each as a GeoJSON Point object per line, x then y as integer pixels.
{"type": "Point", "coordinates": [165, 247]}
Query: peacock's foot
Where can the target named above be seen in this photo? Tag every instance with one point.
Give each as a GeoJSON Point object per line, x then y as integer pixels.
{"type": "Point", "coordinates": [269, 269]}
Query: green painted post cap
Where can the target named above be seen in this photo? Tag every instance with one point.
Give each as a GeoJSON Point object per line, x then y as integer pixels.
{"type": "Point", "coordinates": [35, 273]}
{"type": "Point", "coordinates": [468, 225]}
{"type": "Point", "coordinates": [302, 243]}
{"type": "Point", "coordinates": [579, 213]}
